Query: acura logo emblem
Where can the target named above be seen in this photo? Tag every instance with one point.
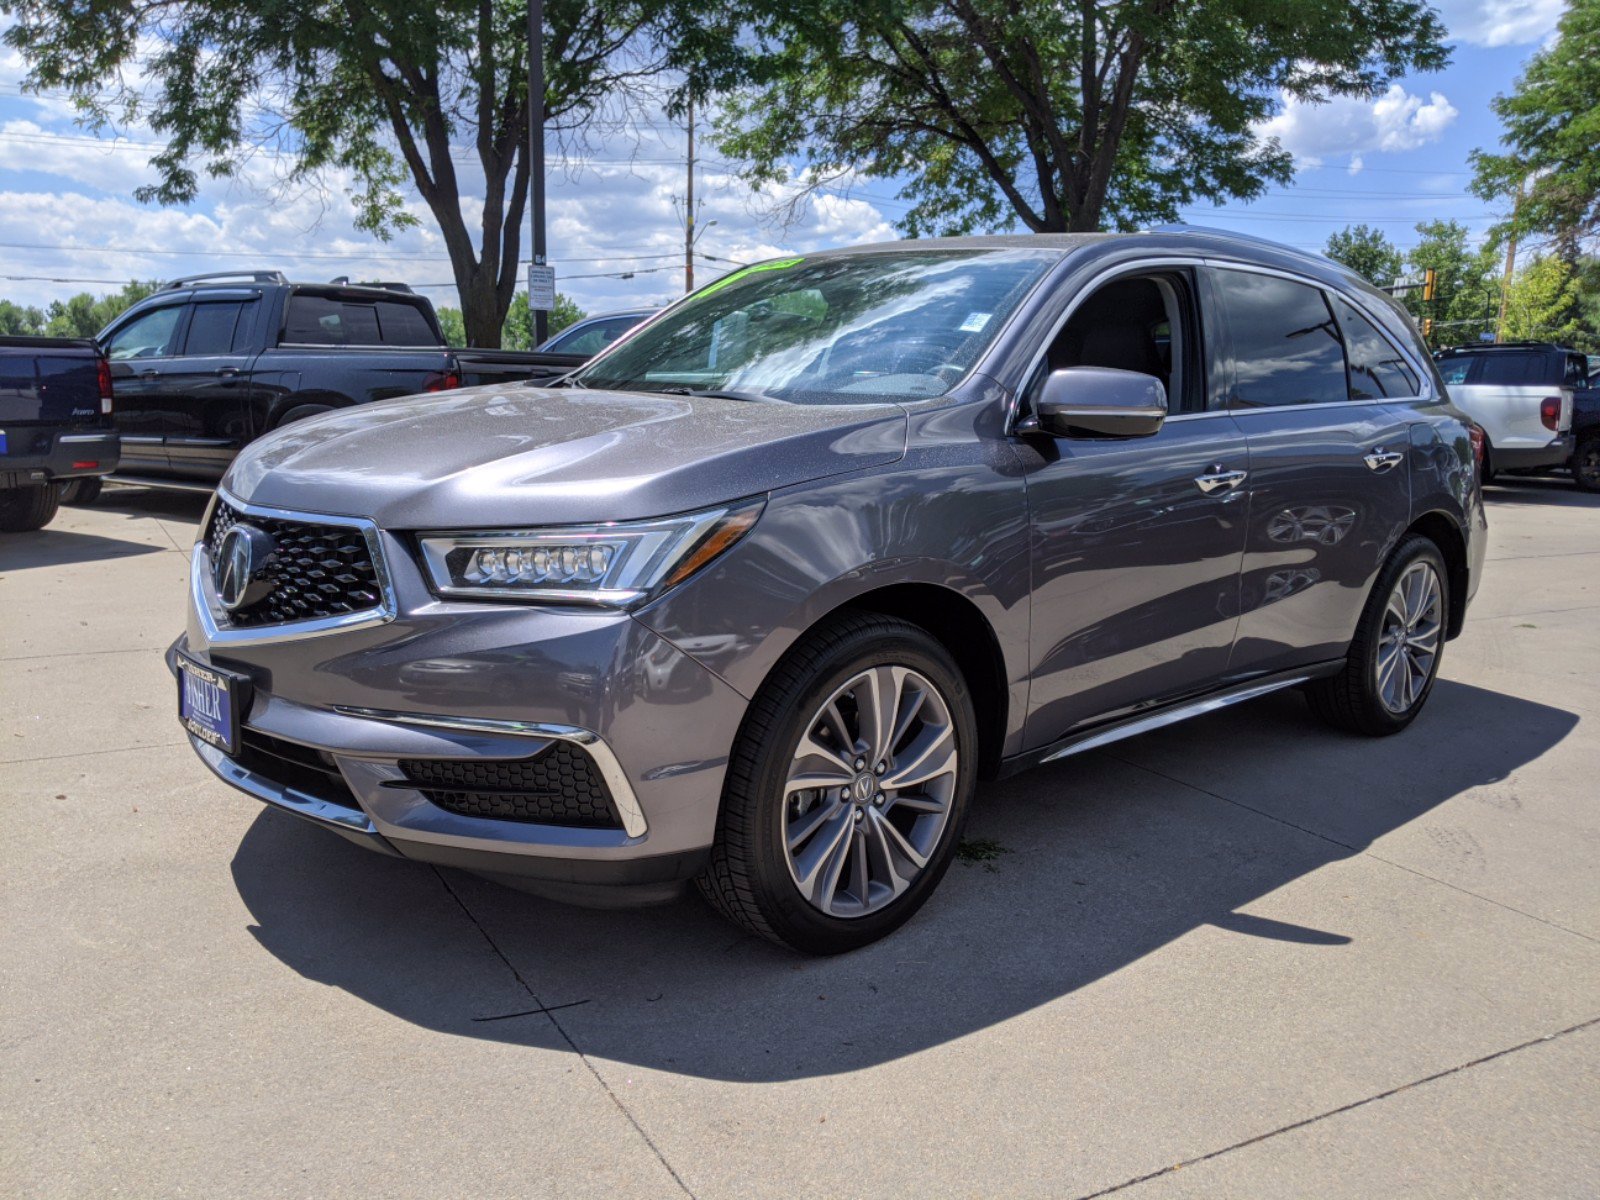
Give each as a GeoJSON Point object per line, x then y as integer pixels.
{"type": "Point", "coordinates": [237, 571]}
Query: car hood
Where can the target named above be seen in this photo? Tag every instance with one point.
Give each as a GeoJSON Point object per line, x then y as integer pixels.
{"type": "Point", "coordinates": [518, 456]}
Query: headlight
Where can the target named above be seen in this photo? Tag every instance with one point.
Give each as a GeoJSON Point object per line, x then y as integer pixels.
{"type": "Point", "coordinates": [617, 564]}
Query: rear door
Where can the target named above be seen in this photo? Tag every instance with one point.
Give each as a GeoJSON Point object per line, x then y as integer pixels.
{"type": "Point", "coordinates": [143, 350]}
{"type": "Point", "coordinates": [207, 386]}
{"type": "Point", "coordinates": [1329, 479]}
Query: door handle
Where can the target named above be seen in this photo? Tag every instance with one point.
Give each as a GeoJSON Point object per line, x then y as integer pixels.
{"type": "Point", "coordinates": [1218, 480]}
{"type": "Point", "coordinates": [1383, 460]}
{"type": "Point", "coordinates": [150, 373]}
{"type": "Point", "coordinates": [228, 372]}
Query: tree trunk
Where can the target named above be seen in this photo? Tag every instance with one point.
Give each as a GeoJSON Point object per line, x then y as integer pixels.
{"type": "Point", "coordinates": [481, 310]}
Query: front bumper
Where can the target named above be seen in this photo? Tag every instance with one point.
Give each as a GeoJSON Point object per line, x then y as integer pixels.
{"type": "Point", "coordinates": [466, 682]}
{"type": "Point", "coordinates": [36, 454]}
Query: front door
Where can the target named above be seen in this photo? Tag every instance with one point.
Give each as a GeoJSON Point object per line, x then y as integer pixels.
{"type": "Point", "coordinates": [1136, 542]}
{"type": "Point", "coordinates": [207, 389]}
{"type": "Point", "coordinates": [142, 350]}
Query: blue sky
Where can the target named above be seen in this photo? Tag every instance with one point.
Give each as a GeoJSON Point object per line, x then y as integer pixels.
{"type": "Point", "coordinates": [68, 220]}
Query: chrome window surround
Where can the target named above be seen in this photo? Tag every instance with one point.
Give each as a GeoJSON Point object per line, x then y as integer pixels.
{"type": "Point", "coordinates": [213, 616]}
{"type": "Point", "coordinates": [1424, 372]}
{"type": "Point", "coordinates": [633, 822]}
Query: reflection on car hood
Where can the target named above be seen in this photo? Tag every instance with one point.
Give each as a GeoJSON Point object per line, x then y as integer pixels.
{"type": "Point", "coordinates": [516, 455]}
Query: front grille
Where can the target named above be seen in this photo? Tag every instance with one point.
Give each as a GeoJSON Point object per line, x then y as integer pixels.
{"type": "Point", "coordinates": [304, 767]}
{"type": "Point", "coordinates": [561, 786]}
{"type": "Point", "coordinates": [317, 570]}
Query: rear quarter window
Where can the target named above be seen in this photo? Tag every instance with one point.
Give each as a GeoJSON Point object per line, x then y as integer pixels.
{"type": "Point", "coordinates": [1514, 368]}
{"type": "Point", "coordinates": [332, 321]}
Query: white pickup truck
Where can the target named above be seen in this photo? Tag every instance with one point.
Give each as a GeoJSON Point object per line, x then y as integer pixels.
{"type": "Point", "coordinates": [1521, 394]}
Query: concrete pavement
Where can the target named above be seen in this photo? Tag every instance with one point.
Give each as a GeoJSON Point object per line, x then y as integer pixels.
{"type": "Point", "coordinates": [1240, 957]}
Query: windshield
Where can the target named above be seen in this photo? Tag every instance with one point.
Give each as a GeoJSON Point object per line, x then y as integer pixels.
{"type": "Point", "coordinates": [855, 329]}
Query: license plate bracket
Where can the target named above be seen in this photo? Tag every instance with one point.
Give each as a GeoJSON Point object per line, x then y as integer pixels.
{"type": "Point", "coordinates": [211, 702]}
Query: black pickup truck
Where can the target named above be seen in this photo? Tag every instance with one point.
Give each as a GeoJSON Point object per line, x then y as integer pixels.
{"type": "Point", "coordinates": [1586, 436]}
{"type": "Point", "coordinates": [55, 425]}
{"type": "Point", "coordinates": [210, 362]}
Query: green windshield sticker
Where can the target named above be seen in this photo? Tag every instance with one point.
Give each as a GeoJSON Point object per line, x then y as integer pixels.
{"type": "Point", "coordinates": [776, 264]}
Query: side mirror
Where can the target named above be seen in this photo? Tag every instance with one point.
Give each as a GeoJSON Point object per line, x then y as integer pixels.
{"type": "Point", "coordinates": [1100, 402]}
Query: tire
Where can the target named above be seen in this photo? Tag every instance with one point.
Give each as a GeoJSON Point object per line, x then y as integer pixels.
{"type": "Point", "coordinates": [1586, 464]}
{"type": "Point", "coordinates": [301, 413]}
{"type": "Point", "coordinates": [83, 491]}
{"type": "Point", "coordinates": [24, 509]}
{"type": "Point", "coordinates": [1358, 699]}
{"type": "Point", "coordinates": [1486, 475]}
{"type": "Point", "coordinates": [755, 879]}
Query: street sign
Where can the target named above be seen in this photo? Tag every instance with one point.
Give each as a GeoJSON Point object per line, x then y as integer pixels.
{"type": "Point", "coordinates": [1411, 279]}
{"type": "Point", "coordinates": [541, 287]}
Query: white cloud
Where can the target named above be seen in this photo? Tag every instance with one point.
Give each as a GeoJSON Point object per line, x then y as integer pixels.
{"type": "Point", "coordinates": [1395, 121]}
{"type": "Point", "coordinates": [1500, 22]}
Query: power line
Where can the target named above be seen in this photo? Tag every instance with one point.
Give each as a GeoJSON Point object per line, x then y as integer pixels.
{"type": "Point", "coordinates": [375, 255]}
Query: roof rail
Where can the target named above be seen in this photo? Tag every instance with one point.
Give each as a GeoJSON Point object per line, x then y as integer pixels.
{"type": "Point", "coordinates": [386, 285]}
{"type": "Point", "coordinates": [1525, 344]}
{"type": "Point", "coordinates": [1230, 235]}
{"type": "Point", "coordinates": [253, 276]}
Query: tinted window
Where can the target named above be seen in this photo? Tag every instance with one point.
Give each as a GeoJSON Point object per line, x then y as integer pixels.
{"type": "Point", "coordinates": [1577, 371]}
{"type": "Point", "coordinates": [1454, 370]}
{"type": "Point", "coordinates": [150, 335]}
{"type": "Point", "coordinates": [1513, 367]}
{"type": "Point", "coordinates": [1377, 370]}
{"type": "Point", "coordinates": [327, 321]}
{"type": "Point", "coordinates": [1286, 347]}
{"type": "Point", "coordinates": [593, 337]}
{"type": "Point", "coordinates": [211, 328]}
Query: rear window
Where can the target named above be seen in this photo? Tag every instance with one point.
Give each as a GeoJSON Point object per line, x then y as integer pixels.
{"type": "Point", "coordinates": [329, 321]}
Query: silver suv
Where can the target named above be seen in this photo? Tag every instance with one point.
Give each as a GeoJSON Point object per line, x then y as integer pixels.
{"type": "Point", "coordinates": [758, 596]}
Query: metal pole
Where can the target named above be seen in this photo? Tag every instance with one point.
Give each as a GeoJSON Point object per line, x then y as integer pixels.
{"type": "Point", "coordinates": [688, 209]}
{"type": "Point", "coordinates": [541, 319]}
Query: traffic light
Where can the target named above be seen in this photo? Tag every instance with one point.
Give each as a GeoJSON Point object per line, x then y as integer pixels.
{"type": "Point", "coordinates": [1427, 327]}
{"type": "Point", "coordinates": [1429, 278]}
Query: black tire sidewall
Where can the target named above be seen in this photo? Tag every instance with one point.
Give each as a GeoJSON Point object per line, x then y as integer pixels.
{"type": "Point", "coordinates": [1591, 443]}
{"type": "Point", "coordinates": [1414, 549]}
{"type": "Point", "coordinates": [300, 412]}
{"type": "Point", "coordinates": [27, 509]}
{"type": "Point", "coordinates": [785, 909]}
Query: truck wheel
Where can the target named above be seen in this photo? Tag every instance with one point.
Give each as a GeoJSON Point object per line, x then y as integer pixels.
{"type": "Point", "coordinates": [25, 509]}
{"type": "Point", "coordinates": [83, 491]}
{"type": "Point", "coordinates": [1394, 659]}
{"type": "Point", "coordinates": [301, 413]}
{"type": "Point", "coordinates": [846, 789]}
{"type": "Point", "coordinates": [1586, 464]}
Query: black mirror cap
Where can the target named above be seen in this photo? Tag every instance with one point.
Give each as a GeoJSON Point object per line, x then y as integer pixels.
{"type": "Point", "coordinates": [1101, 402]}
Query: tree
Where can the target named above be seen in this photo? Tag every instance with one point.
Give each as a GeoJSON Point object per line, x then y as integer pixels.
{"type": "Point", "coordinates": [1055, 116]}
{"type": "Point", "coordinates": [1466, 283]}
{"type": "Point", "coordinates": [389, 90]}
{"type": "Point", "coordinates": [1542, 302]}
{"type": "Point", "coordinates": [1366, 252]}
{"type": "Point", "coordinates": [1552, 137]}
{"type": "Point", "coordinates": [19, 321]}
{"type": "Point", "coordinates": [85, 315]}
{"type": "Point", "coordinates": [517, 333]}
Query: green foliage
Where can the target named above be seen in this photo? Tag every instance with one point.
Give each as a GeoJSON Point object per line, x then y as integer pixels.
{"type": "Point", "coordinates": [1552, 136]}
{"type": "Point", "coordinates": [79, 316]}
{"type": "Point", "coordinates": [1366, 252]}
{"type": "Point", "coordinates": [389, 90]}
{"type": "Point", "coordinates": [1054, 116]}
{"type": "Point", "coordinates": [1467, 283]}
{"type": "Point", "coordinates": [1542, 302]}
{"type": "Point", "coordinates": [517, 333]}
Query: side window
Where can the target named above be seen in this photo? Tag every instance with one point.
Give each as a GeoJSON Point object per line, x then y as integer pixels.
{"type": "Point", "coordinates": [1577, 374]}
{"type": "Point", "coordinates": [1138, 323]}
{"type": "Point", "coordinates": [211, 328]}
{"type": "Point", "coordinates": [326, 321]}
{"type": "Point", "coordinates": [150, 335]}
{"type": "Point", "coordinates": [1514, 368]}
{"type": "Point", "coordinates": [1454, 370]}
{"type": "Point", "coordinates": [1286, 346]}
{"type": "Point", "coordinates": [1377, 370]}
{"type": "Point", "coordinates": [401, 324]}
{"type": "Point", "coordinates": [594, 338]}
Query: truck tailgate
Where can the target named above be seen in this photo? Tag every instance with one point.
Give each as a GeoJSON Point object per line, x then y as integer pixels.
{"type": "Point", "coordinates": [48, 384]}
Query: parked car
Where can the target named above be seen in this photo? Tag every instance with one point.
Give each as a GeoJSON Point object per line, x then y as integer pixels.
{"type": "Point", "coordinates": [588, 337]}
{"type": "Point", "coordinates": [55, 425]}
{"type": "Point", "coordinates": [757, 596]}
{"type": "Point", "coordinates": [1521, 394]}
{"type": "Point", "coordinates": [211, 362]}
{"type": "Point", "coordinates": [1586, 436]}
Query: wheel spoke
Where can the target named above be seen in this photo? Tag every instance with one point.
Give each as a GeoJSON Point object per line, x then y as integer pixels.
{"type": "Point", "coordinates": [823, 860]}
{"type": "Point", "coordinates": [807, 780]}
{"type": "Point", "coordinates": [807, 824]}
{"type": "Point", "coordinates": [923, 803]}
{"type": "Point", "coordinates": [809, 745]}
{"type": "Point", "coordinates": [860, 880]}
{"type": "Point", "coordinates": [896, 841]}
{"type": "Point", "coordinates": [878, 706]}
{"type": "Point", "coordinates": [932, 755]}
{"type": "Point", "coordinates": [883, 856]}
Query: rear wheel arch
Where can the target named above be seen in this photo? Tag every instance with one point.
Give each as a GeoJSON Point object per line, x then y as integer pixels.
{"type": "Point", "coordinates": [1445, 533]}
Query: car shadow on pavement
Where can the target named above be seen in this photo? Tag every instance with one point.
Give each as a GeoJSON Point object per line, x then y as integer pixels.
{"type": "Point", "coordinates": [1552, 491]}
{"type": "Point", "coordinates": [1073, 872]}
{"type": "Point", "coordinates": [62, 547]}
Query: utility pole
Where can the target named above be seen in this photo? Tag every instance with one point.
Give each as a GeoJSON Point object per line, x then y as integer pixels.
{"type": "Point", "coordinates": [541, 319]}
{"type": "Point", "coordinates": [688, 211]}
{"type": "Point", "coordinates": [1511, 266]}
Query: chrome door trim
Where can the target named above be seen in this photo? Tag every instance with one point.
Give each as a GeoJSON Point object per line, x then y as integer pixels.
{"type": "Point", "coordinates": [1219, 481]}
{"type": "Point", "coordinates": [633, 822]}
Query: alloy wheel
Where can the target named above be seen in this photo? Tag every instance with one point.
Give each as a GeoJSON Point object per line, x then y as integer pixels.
{"type": "Point", "coordinates": [870, 790]}
{"type": "Point", "coordinates": [1408, 645]}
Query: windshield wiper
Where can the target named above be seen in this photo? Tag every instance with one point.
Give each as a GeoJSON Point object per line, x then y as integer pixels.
{"type": "Point", "coordinates": [721, 394]}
